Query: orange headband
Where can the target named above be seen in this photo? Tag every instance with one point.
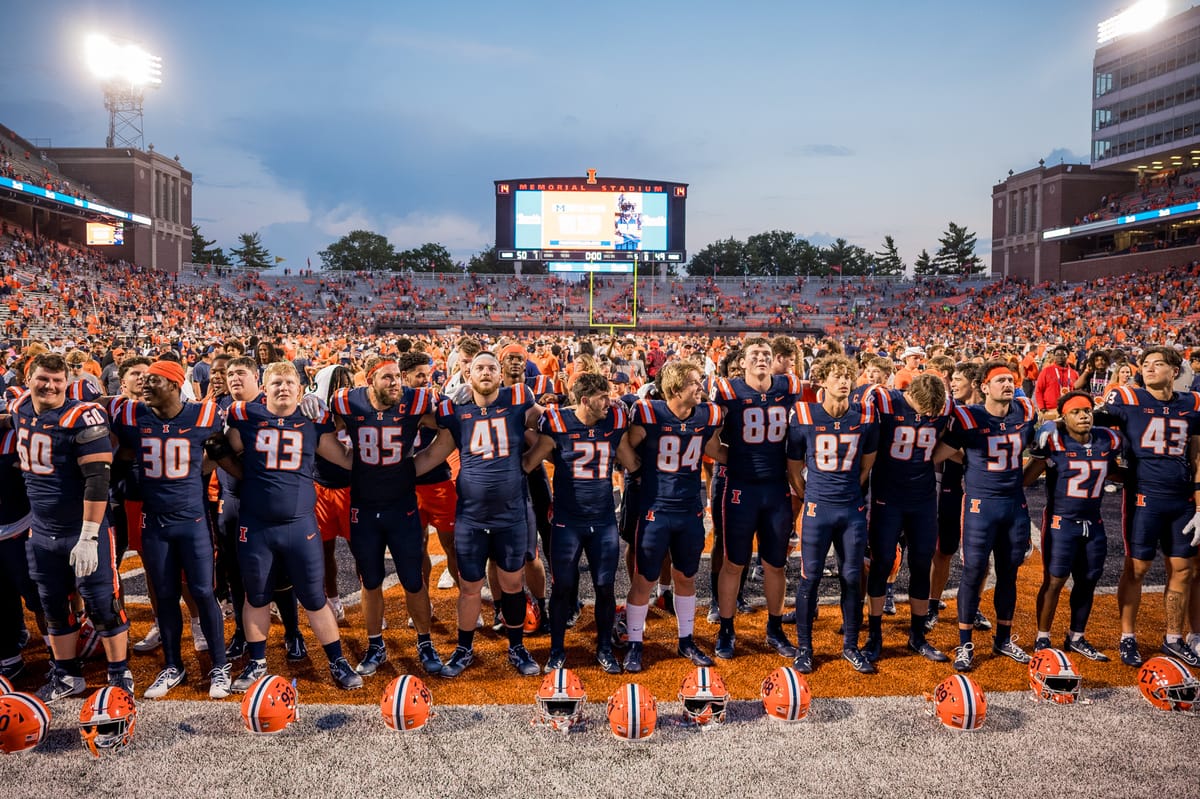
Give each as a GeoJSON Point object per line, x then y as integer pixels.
{"type": "Point", "coordinates": [1004, 370]}
{"type": "Point", "coordinates": [168, 370]}
{"type": "Point", "coordinates": [513, 349]}
{"type": "Point", "coordinates": [382, 362]}
{"type": "Point", "coordinates": [1077, 402]}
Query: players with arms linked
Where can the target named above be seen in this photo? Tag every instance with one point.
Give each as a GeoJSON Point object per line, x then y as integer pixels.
{"type": "Point", "coordinates": [583, 441]}
{"type": "Point", "coordinates": [990, 438]}
{"type": "Point", "coordinates": [166, 436]}
{"type": "Point", "coordinates": [904, 501]}
{"type": "Point", "coordinates": [278, 525]}
{"type": "Point", "coordinates": [66, 456]}
{"type": "Point", "coordinates": [756, 498]}
{"type": "Point", "coordinates": [493, 517]}
{"type": "Point", "coordinates": [382, 419]}
{"type": "Point", "coordinates": [666, 441]}
{"type": "Point", "coordinates": [837, 445]}
{"type": "Point", "coordinates": [1162, 431]}
{"type": "Point", "coordinates": [1076, 459]}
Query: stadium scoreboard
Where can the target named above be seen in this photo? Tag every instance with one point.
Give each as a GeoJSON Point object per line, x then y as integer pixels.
{"type": "Point", "coordinates": [591, 221]}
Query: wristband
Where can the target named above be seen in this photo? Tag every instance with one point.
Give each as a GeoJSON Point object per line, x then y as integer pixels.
{"type": "Point", "coordinates": [89, 530]}
{"type": "Point", "coordinates": [1196, 486]}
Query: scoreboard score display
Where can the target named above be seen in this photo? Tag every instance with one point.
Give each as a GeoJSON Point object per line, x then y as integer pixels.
{"type": "Point", "coordinates": [590, 220]}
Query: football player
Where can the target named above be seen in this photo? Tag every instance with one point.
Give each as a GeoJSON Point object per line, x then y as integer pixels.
{"type": "Point", "coordinates": [278, 524]}
{"type": "Point", "coordinates": [66, 456]}
{"type": "Point", "coordinates": [493, 515]}
{"type": "Point", "coordinates": [1076, 461]}
{"type": "Point", "coordinates": [837, 445]}
{"type": "Point", "coordinates": [1162, 428]}
{"type": "Point", "coordinates": [166, 436]}
{"type": "Point", "coordinates": [904, 501]}
{"type": "Point", "coordinates": [382, 419]}
{"type": "Point", "coordinates": [583, 440]}
{"type": "Point", "coordinates": [755, 500]}
{"type": "Point", "coordinates": [990, 438]}
{"type": "Point", "coordinates": [666, 440]}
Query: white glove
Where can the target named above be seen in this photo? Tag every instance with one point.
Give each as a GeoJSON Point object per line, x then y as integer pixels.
{"type": "Point", "coordinates": [461, 395]}
{"type": "Point", "coordinates": [1192, 528]}
{"type": "Point", "coordinates": [85, 556]}
{"type": "Point", "coordinates": [312, 406]}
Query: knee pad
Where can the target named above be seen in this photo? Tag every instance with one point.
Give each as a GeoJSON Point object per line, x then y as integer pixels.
{"type": "Point", "coordinates": [59, 618]}
{"type": "Point", "coordinates": [109, 618]}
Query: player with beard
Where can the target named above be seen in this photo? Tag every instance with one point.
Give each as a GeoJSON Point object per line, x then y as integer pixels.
{"type": "Point", "coordinates": [666, 441]}
{"type": "Point", "coordinates": [381, 419]}
{"type": "Point", "coordinates": [583, 440]}
{"type": "Point", "coordinates": [990, 438]}
{"type": "Point", "coordinates": [492, 518]}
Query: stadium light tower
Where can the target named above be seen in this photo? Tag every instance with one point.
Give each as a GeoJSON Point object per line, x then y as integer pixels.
{"type": "Point", "coordinates": [125, 71]}
{"type": "Point", "coordinates": [1141, 16]}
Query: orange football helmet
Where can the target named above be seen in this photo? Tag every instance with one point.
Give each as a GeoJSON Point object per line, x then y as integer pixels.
{"type": "Point", "coordinates": [959, 703]}
{"type": "Point", "coordinates": [560, 700]}
{"type": "Point", "coordinates": [533, 616]}
{"type": "Point", "coordinates": [89, 644]}
{"type": "Point", "coordinates": [107, 720]}
{"type": "Point", "coordinates": [24, 722]}
{"type": "Point", "coordinates": [6, 686]}
{"type": "Point", "coordinates": [704, 697]}
{"type": "Point", "coordinates": [1052, 676]}
{"type": "Point", "coordinates": [270, 705]}
{"type": "Point", "coordinates": [1167, 684]}
{"type": "Point", "coordinates": [632, 712]}
{"type": "Point", "coordinates": [785, 694]}
{"type": "Point", "coordinates": [407, 704]}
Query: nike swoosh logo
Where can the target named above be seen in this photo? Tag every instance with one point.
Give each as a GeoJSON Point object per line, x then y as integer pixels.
{"type": "Point", "coordinates": [297, 424]}
{"type": "Point", "coordinates": [183, 430]}
{"type": "Point", "coordinates": [310, 536]}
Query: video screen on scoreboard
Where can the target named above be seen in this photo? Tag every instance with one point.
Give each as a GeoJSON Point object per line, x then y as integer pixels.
{"type": "Point", "coordinates": [592, 220]}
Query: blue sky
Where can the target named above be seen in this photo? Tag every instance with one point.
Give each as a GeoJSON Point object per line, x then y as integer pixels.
{"type": "Point", "coordinates": [305, 120]}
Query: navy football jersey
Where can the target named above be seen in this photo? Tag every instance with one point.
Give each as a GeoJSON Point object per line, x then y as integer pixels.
{"type": "Point", "coordinates": [584, 457]}
{"type": "Point", "coordinates": [169, 454]}
{"type": "Point", "coordinates": [992, 447]}
{"type": "Point", "coordinates": [544, 384]}
{"type": "Point", "coordinates": [438, 474]}
{"type": "Point", "coordinates": [832, 448]}
{"type": "Point", "coordinates": [904, 470]}
{"type": "Point", "coordinates": [83, 390]}
{"type": "Point", "coordinates": [381, 440]}
{"type": "Point", "coordinates": [1156, 439]}
{"type": "Point", "coordinates": [49, 452]}
{"type": "Point", "coordinates": [672, 452]}
{"type": "Point", "coordinates": [492, 490]}
{"type": "Point", "coordinates": [277, 465]}
{"type": "Point", "coordinates": [756, 426]}
{"type": "Point", "coordinates": [1075, 472]}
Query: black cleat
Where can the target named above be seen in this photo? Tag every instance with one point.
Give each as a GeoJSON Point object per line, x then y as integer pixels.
{"type": "Point", "coordinates": [522, 661]}
{"type": "Point", "coordinates": [557, 660]}
{"type": "Point", "coordinates": [573, 619]}
{"type": "Point", "coordinates": [458, 662]}
{"type": "Point", "coordinates": [1010, 650]}
{"type": "Point", "coordinates": [873, 651]}
{"type": "Point", "coordinates": [346, 677]}
{"type": "Point", "coordinates": [981, 621]}
{"type": "Point", "coordinates": [928, 651]}
{"type": "Point", "coordinates": [608, 661]}
{"type": "Point", "coordinates": [237, 646]}
{"type": "Point", "coordinates": [1085, 648]}
{"type": "Point", "coordinates": [789, 617]}
{"type": "Point", "coordinates": [375, 657]}
{"type": "Point", "coordinates": [780, 643]}
{"type": "Point", "coordinates": [964, 657]}
{"type": "Point", "coordinates": [743, 606]}
{"type": "Point", "coordinates": [931, 620]}
{"type": "Point", "coordinates": [431, 662]}
{"type": "Point", "coordinates": [1129, 652]}
{"type": "Point", "coordinates": [1180, 651]}
{"type": "Point", "coordinates": [803, 662]}
{"type": "Point", "coordinates": [889, 602]}
{"type": "Point", "coordinates": [724, 648]}
{"type": "Point", "coordinates": [688, 649]}
{"type": "Point", "coordinates": [855, 657]}
{"type": "Point", "coordinates": [296, 648]}
{"type": "Point", "coordinates": [1042, 642]}
{"type": "Point", "coordinates": [633, 658]}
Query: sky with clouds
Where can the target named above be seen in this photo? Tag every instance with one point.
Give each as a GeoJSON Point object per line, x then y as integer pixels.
{"type": "Point", "coordinates": [306, 120]}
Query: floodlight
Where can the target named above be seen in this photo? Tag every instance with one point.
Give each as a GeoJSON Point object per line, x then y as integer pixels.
{"type": "Point", "coordinates": [126, 70]}
{"type": "Point", "coordinates": [1139, 17]}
